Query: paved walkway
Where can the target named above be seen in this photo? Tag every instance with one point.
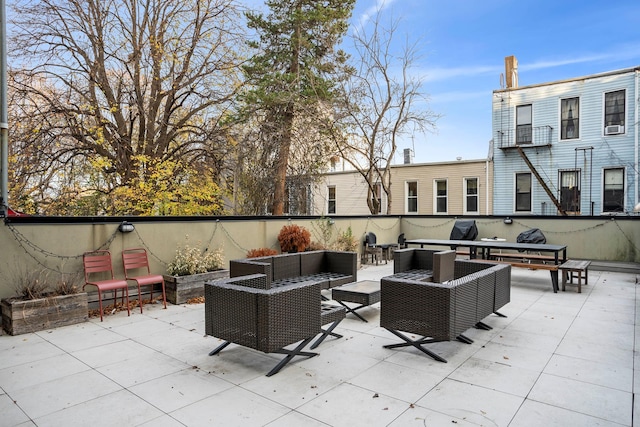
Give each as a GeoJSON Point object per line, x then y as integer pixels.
{"type": "Point", "coordinates": [563, 359]}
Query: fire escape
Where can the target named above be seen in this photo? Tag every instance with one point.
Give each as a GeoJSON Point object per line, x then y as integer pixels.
{"type": "Point", "coordinates": [535, 137]}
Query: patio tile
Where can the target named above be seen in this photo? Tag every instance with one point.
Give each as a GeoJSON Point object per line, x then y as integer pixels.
{"type": "Point", "coordinates": [496, 376]}
{"type": "Point", "coordinates": [105, 411]}
{"type": "Point", "coordinates": [585, 398]}
{"type": "Point", "coordinates": [399, 382]}
{"type": "Point", "coordinates": [30, 374]}
{"type": "Point", "coordinates": [162, 421]}
{"type": "Point", "coordinates": [31, 349]}
{"type": "Point", "coordinates": [596, 352]}
{"type": "Point", "coordinates": [546, 323]}
{"type": "Point", "coordinates": [295, 419]}
{"type": "Point", "coordinates": [141, 328]}
{"type": "Point", "coordinates": [422, 417]}
{"type": "Point", "coordinates": [536, 414]}
{"type": "Point", "coordinates": [142, 368]}
{"type": "Point", "coordinates": [230, 408]}
{"type": "Point", "coordinates": [606, 375]}
{"type": "Point", "coordinates": [179, 389]}
{"type": "Point", "coordinates": [79, 337]}
{"type": "Point", "coordinates": [293, 386]}
{"type": "Point", "coordinates": [601, 332]}
{"type": "Point", "coordinates": [528, 339]}
{"type": "Point", "coordinates": [472, 403]}
{"type": "Point", "coordinates": [349, 405]}
{"type": "Point", "coordinates": [61, 393]}
{"type": "Point", "coordinates": [12, 415]}
{"type": "Point", "coordinates": [114, 352]}
{"type": "Point", "coordinates": [514, 356]}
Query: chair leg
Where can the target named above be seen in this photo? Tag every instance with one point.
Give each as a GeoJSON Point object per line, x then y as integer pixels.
{"type": "Point", "coordinates": [326, 333]}
{"type": "Point", "coordinates": [290, 354]}
{"type": "Point", "coordinates": [140, 296]}
{"type": "Point", "coordinates": [415, 343]}
{"type": "Point", "coordinates": [219, 348]}
{"type": "Point", "coordinates": [100, 303]}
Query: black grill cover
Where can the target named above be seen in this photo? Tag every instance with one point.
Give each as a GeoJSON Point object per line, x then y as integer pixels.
{"type": "Point", "coordinates": [531, 236]}
{"type": "Point", "coordinates": [464, 229]}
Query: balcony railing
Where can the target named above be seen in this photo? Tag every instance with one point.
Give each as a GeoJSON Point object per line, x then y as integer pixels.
{"type": "Point", "coordinates": [525, 136]}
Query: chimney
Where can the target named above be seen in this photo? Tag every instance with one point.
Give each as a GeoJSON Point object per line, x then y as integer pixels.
{"type": "Point", "coordinates": [511, 71]}
{"type": "Point", "coordinates": [408, 156]}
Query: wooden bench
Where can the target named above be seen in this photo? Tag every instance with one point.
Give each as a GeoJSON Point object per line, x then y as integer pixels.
{"type": "Point", "coordinates": [575, 268]}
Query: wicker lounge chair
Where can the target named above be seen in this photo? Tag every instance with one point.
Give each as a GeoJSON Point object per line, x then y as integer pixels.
{"type": "Point", "coordinates": [440, 310]}
{"type": "Point", "coordinates": [247, 311]}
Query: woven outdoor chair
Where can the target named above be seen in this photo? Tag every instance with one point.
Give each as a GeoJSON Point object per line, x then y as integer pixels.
{"type": "Point", "coordinates": [244, 311]}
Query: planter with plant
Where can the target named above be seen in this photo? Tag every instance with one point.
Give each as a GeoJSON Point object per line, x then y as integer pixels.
{"type": "Point", "coordinates": [260, 252]}
{"type": "Point", "coordinates": [189, 270]}
{"type": "Point", "coordinates": [294, 238]}
{"type": "Point", "coordinates": [42, 302]}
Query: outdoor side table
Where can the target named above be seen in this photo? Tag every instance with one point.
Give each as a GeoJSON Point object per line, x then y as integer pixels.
{"type": "Point", "coordinates": [365, 293]}
{"type": "Point", "coordinates": [575, 268]}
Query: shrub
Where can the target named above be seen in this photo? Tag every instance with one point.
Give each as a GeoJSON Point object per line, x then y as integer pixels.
{"type": "Point", "coordinates": [192, 260]}
{"type": "Point", "coordinates": [294, 238]}
{"type": "Point", "coordinates": [255, 253]}
{"type": "Point", "coordinates": [346, 241]}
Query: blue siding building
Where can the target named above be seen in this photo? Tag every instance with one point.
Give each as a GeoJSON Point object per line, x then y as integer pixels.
{"type": "Point", "coordinates": [568, 147]}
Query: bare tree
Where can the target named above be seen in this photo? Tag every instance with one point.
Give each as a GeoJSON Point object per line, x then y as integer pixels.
{"type": "Point", "coordinates": [382, 102]}
{"type": "Point", "coordinates": [119, 89]}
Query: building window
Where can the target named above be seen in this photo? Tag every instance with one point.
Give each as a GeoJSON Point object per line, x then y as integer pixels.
{"type": "Point", "coordinates": [523, 124]}
{"type": "Point", "coordinates": [614, 112]}
{"type": "Point", "coordinates": [440, 191]}
{"type": "Point", "coordinates": [570, 191]}
{"type": "Point", "coordinates": [613, 190]}
{"type": "Point", "coordinates": [331, 200]}
{"type": "Point", "coordinates": [523, 192]}
{"type": "Point", "coordinates": [570, 118]}
{"type": "Point", "coordinates": [471, 195]}
{"type": "Point", "coordinates": [412, 197]}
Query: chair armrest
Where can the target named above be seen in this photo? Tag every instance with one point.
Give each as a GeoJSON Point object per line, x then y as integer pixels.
{"type": "Point", "coordinates": [342, 262]}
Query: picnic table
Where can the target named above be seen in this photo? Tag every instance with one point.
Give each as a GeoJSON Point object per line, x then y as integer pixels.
{"type": "Point", "coordinates": [523, 259]}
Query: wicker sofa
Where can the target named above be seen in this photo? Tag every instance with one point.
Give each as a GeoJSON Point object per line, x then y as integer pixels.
{"type": "Point", "coordinates": [328, 268]}
{"type": "Point", "coordinates": [440, 306]}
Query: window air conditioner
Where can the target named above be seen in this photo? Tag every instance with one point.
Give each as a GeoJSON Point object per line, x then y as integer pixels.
{"type": "Point", "coordinates": [613, 130]}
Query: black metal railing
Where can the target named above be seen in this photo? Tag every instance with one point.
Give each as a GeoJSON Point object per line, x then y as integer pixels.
{"type": "Point", "coordinates": [524, 136]}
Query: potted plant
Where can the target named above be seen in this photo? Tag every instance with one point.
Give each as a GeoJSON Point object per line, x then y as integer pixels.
{"type": "Point", "coordinates": [294, 238]}
{"type": "Point", "coordinates": [189, 270]}
{"type": "Point", "coordinates": [260, 252]}
{"type": "Point", "coordinates": [44, 303]}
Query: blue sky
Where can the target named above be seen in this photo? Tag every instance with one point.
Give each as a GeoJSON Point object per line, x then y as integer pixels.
{"type": "Point", "coordinates": [464, 43]}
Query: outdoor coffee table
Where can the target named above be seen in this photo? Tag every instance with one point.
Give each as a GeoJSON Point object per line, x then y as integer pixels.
{"type": "Point", "coordinates": [365, 293]}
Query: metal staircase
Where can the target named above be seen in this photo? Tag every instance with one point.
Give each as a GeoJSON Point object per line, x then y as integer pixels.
{"type": "Point", "coordinates": [541, 181]}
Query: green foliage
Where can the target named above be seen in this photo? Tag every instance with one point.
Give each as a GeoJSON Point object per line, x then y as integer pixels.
{"type": "Point", "coordinates": [323, 230]}
{"type": "Point", "coordinates": [192, 260]}
{"type": "Point", "coordinates": [346, 241]}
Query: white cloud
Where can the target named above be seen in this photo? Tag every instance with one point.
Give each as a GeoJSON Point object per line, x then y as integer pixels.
{"type": "Point", "coordinates": [374, 10]}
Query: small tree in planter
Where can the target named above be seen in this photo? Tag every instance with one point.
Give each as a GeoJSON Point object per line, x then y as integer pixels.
{"type": "Point", "coordinates": [294, 238]}
{"type": "Point", "coordinates": [188, 271]}
{"type": "Point", "coordinates": [44, 303]}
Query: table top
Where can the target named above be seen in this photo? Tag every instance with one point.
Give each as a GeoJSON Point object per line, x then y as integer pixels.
{"type": "Point", "coordinates": [363, 286]}
{"type": "Point", "coordinates": [540, 247]}
{"type": "Point", "coordinates": [493, 239]}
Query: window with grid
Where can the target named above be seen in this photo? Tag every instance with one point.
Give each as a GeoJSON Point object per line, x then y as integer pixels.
{"type": "Point", "coordinates": [412, 197]}
{"type": "Point", "coordinates": [471, 195]}
{"type": "Point", "coordinates": [570, 118]}
{"type": "Point", "coordinates": [614, 108]}
{"type": "Point", "coordinates": [524, 121]}
{"type": "Point", "coordinates": [523, 192]}
{"type": "Point", "coordinates": [331, 200]}
{"type": "Point", "coordinates": [570, 191]}
{"type": "Point", "coordinates": [441, 195]}
{"type": "Point", "coordinates": [613, 190]}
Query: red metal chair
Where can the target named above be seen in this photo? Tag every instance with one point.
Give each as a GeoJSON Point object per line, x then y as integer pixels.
{"type": "Point", "coordinates": [97, 263]}
{"type": "Point", "coordinates": [135, 260]}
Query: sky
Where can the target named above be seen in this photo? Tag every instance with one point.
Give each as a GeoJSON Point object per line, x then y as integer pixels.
{"type": "Point", "coordinates": [462, 45]}
{"type": "Point", "coordinates": [464, 42]}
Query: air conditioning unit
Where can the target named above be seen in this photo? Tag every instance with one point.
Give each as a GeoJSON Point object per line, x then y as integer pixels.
{"type": "Point", "coordinates": [613, 130]}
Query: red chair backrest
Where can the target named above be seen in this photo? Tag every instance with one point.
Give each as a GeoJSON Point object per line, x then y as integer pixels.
{"type": "Point", "coordinates": [133, 259]}
{"type": "Point", "coordinates": [96, 262]}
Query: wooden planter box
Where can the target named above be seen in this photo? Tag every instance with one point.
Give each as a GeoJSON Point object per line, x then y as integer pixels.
{"type": "Point", "coordinates": [25, 316]}
{"type": "Point", "coordinates": [180, 289]}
